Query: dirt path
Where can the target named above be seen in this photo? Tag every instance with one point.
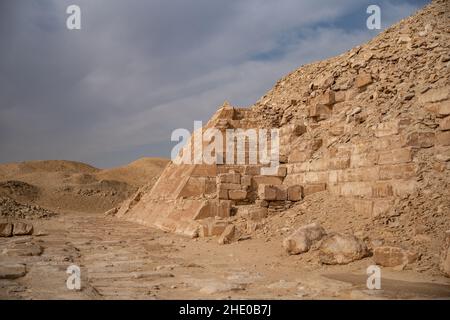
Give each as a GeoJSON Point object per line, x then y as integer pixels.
{"type": "Point", "coordinates": [123, 260]}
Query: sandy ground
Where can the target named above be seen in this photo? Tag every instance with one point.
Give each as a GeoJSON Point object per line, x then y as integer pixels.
{"type": "Point", "coordinates": [123, 260]}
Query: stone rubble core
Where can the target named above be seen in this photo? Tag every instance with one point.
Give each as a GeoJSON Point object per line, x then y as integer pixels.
{"type": "Point", "coordinates": [371, 125]}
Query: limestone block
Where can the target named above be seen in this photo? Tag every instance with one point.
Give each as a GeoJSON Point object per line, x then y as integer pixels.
{"type": "Point", "coordinates": [258, 180]}
{"type": "Point", "coordinates": [445, 124]}
{"type": "Point", "coordinates": [443, 138]}
{"type": "Point", "coordinates": [420, 139]}
{"type": "Point", "coordinates": [22, 229]}
{"type": "Point", "coordinates": [295, 193]}
{"type": "Point", "coordinates": [363, 79]}
{"type": "Point", "coordinates": [395, 156]}
{"type": "Point", "coordinates": [313, 188]}
{"type": "Point", "coordinates": [227, 235]}
{"type": "Point", "coordinates": [435, 95]}
{"type": "Point", "coordinates": [327, 98]}
{"type": "Point", "coordinates": [382, 190]}
{"type": "Point", "coordinates": [387, 256]}
{"type": "Point", "coordinates": [398, 171]}
{"type": "Point", "coordinates": [6, 229]}
{"type": "Point", "coordinates": [237, 194]}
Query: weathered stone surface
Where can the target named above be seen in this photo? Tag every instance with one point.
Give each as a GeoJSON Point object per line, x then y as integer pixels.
{"type": "Point", "coordinates": [246, 180]}
{"type": "Point", "coordinates": [393, 256]}
{"type": "Point", "coordinates": [313, 188]}
{"type": "Point", "coordinates": [387, 129]}
{"type": "Point", "coordinates": [224, 208]}
{"type": "Point", "coordinates": [300, 241]}
{"type": "Point", "coordinates": [212, 227]}
{"type": "Point", "coordinates": [445, 124]}
{"type": "Point", "coordinates": [420, 139]}
{"type": "Point", "coordinates": [441, 109]}
{"type": "Point", "coordinates": [320, 111]}
{"type": "Point", "coordinates": [237, 194]}
{"type": "Point", "coordinates": [227, 235]}
{"type": "Point", "coordinates": [342, 249]}
{"type": "Point", "coordinates": [443, 138]}
{"type": "Point", "coordinates": [255, 212]}
{"type": "Point", "coordinates": [22, 229]}
{"type": "Point", "coordinates": [327, 98]}
{"type": "Point", "coordinates": [23, 249]}
{"type": "Point", "coordinates": [6, 229]}
{"type": "Point", "coordinates": [363, 80]}
{"type": "Point", "coordinates": [445, 255]}
{"type": "Point", "coordinates": [435, 95]}
{"type": "Point", "coordinates": [12, 271]}
{"type": "Point", "coordinates": [273, 180]}
{"type": "Point", "coordinates": [267, 192]}
{"type": "Point", "coordinates": [395, 156]}
{"type": "Point", "coordinates": [295, 193]}
{"type": "Point", "coordinates": [230, 177]}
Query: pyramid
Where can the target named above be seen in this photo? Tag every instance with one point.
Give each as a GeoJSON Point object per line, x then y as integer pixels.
{"type": "Point", "coordinates": [371, 126]}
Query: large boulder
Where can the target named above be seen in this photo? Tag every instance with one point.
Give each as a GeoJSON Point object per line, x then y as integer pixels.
{"type": "Point", "coordinates": [22, 229]}
{"type": "Point", "coordinates": [300, 241]}
{"type": "Point", "coordinates": [342, 249]}
{"type": "Point", "coordinates": [445, 255]}
{"type": "Point", "coordinates": [387, 256]}
{"type": "Point", "coordinates": [6, 229]}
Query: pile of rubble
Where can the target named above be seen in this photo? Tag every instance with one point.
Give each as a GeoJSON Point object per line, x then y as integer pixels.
{"type": "Point", "coordinates": [10, 208]}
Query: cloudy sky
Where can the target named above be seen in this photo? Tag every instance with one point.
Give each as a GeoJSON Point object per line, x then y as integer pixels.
{"type": "Point", "coordinates": [114, 91]}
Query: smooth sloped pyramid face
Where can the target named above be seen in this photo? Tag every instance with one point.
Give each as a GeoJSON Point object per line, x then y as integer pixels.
{"type": "Point", "coordinates": [370, 126]}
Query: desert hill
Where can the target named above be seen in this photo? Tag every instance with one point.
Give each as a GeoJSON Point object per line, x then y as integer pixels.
{"type": "Point", "coordinates": [70, 185]}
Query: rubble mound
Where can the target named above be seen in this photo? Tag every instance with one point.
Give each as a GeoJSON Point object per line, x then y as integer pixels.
{"type": "Point", "coordinates": [11, 209]}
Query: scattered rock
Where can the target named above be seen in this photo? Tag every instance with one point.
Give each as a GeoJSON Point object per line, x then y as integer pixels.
{"type": "Point", "coordinates": [342, 249]}
{"type": "Point", "coordinates": [22, 229]}
{"type": "Point", "coordinates": [445, 255]}
{"type": "Point", "coordinates": [387, 256]}
{"type": "Point", "coordinates": [10, 208]}
{"type": "Point", "coordinates": [12, 271]}
{"type": "Point", "coordinates": [301, 240]}
{"type": "Point", "coordinates": [227, 235]}
{"type": "Point", "coordinates": [214, 287]}
{"type": "Point", "coordinates": [6, 229]}
{"type": "Point", "coordinates": [23, 249]}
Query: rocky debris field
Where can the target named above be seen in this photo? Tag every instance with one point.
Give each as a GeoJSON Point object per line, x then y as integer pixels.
{"type": "Point", "coordinates": [10, 208]}
{"type": "Point", "coordinates": [128, 261]}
